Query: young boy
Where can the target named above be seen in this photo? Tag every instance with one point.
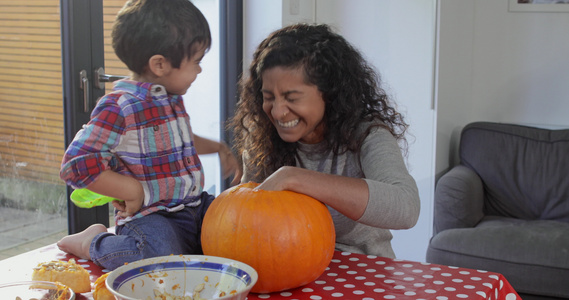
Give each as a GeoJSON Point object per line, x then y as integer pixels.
{"type": "Point", "coordinates": [139, 147]}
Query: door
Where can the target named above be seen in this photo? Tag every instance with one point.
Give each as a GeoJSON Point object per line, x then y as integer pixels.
{"type": "Point", "coordinates": [44, 46]}
{"type": "Point", "coordinates": [33, 204]}
{"type": "Point", "coordinates": [89, 64]}
{"type": "Point", "coordinates": [83, 53]}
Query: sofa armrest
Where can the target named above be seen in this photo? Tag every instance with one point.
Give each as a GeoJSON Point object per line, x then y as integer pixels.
{"type": "Point", "coordinates": [459, 199]}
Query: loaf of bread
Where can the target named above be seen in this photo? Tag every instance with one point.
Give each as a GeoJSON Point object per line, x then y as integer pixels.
{"type": "Point", "coordinates": [101, 292]}
{"type": "Point", "coordinates": [68, 273]}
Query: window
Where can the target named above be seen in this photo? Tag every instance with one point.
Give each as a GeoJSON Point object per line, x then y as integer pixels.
{"type": "Point", "coordinates": [44, 46]}
{"type": "Point", "coordinates": [32, 197]}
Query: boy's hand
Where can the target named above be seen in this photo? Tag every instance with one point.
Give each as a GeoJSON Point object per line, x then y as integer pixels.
{"type": "Point", "coordinates": [122, 187]}
{"type": "Point", "coordinates": [237, 177]}
{"type": "Point", "coordinates": [127, 208]}
{"type": "Point", "coordinates": [228, 161]}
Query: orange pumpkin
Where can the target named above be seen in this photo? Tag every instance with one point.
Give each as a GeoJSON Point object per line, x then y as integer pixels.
{"type": "Point", "coordinates": [287, 237]}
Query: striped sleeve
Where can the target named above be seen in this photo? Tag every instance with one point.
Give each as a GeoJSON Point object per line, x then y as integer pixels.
{"type": "Point", "coordinates": [90, 152]}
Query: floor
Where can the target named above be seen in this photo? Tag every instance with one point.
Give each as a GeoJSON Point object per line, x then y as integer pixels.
{"type": "Point", "coordinates": [22, 230]}
{"type": "Point", "coordinates": [22, 248]}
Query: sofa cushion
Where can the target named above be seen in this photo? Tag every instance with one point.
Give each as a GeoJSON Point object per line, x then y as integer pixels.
{"type": "Point", "coordinates": [524, 169]}
{"type": "Point", "coordinates": [459, 200]}
{"type": "Point", "coordinates": [532, 255]}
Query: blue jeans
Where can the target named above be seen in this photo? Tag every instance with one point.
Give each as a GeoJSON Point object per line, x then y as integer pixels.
{"type": "Point", "coordinates": [158, 234]}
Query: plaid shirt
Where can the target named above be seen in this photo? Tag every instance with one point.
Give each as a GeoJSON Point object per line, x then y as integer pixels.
{"type": "Point", "coordinates": [139, 130]}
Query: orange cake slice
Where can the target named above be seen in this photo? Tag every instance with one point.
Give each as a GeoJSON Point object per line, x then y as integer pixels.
{"type": "Point", "coordinates": [101, 292]}
{"type": "Point", "coordinates": [67, 273]}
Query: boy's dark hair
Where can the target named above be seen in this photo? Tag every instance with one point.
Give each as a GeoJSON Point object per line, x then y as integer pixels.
{"type": "Point", "coordinates": [175, 29]}
{"type": "Point", "coordinates": [350, 87]}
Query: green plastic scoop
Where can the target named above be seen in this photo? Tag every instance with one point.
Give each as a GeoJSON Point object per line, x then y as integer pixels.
{"type": "Point", "coordinates": [85, 198]}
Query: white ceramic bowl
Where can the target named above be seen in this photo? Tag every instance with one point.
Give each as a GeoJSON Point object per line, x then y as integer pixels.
{"type": "Point", "coordinates": [182, 275]}
{"type": "Point", "coordinates": [35, 290]}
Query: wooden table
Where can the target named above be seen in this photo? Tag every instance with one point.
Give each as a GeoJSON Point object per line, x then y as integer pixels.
{"type": "Point", "coordinates": [349, 276]}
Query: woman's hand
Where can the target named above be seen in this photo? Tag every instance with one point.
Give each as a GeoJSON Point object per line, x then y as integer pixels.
{"type": "Point", "coordinates": [278, 180]}
{"type": "Point", "coordinates": [347, 195]}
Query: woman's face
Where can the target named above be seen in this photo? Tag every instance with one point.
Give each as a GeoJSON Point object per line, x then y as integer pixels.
{"type": "Point", "coordinates": [294, 107]}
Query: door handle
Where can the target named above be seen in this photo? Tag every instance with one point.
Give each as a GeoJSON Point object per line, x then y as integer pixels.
{"type": "Point", "coordinates": [84, 84]}
{"type": "Point", "coordinates": [101, 78]}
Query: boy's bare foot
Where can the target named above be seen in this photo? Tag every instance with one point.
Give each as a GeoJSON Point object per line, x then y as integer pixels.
{"type": "Point", "coordinates": [78, 244]}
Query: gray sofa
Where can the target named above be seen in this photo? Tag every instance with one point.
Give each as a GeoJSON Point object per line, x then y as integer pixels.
{"type": "Point", "coordinates": [505, 207]}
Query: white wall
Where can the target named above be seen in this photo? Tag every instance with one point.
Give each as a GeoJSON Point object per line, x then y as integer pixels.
{"type": "Point", "coordinates": [492, 65]}
{"type": "Point", "coordinates": [260, 17]}
{"type": "Point", "coordinates": [202, 98]}
{"type": "Point", "coordinates": [397, 38]}
{"type": "Point", "coordinates": [501, 66]}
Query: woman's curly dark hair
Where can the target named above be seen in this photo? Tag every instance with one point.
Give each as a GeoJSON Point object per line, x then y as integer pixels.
{"type": "Point", "coordinates": [349, 86]}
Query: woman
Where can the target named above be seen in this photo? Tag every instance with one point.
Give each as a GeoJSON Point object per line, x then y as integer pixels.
{"type": "Point", "coordinates": [313, 119]}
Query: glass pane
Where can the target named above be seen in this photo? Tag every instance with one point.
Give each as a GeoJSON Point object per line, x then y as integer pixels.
{"type": "Point", "coordinates": [33, 205]}
{"type": "Point", "coordinates": [202, 99]}
{"type": "Point", "coordinates": [113, 65]}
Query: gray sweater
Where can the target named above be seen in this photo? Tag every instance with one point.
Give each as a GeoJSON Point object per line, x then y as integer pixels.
{"type": "Point", "coordinates": [393, 196]}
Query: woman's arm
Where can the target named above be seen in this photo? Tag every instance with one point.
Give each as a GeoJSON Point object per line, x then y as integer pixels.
{"type": "Point", "coordinates": [387, 196]}
{"type": "Point", "coordinates": [394, 198]}
{"type": "Point", "coordinates": [347, 195]}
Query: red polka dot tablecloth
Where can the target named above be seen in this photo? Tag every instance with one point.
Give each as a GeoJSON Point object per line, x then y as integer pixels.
{"type": "Point", "coordinates": [349, 276]}
{"type": "Point", "coordinates": [20, 268]}
{"type": "Point", "coordinates": [355, 276]}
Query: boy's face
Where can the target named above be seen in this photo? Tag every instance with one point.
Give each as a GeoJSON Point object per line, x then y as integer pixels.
{"type": "Point", "coordinates": [178, 81]}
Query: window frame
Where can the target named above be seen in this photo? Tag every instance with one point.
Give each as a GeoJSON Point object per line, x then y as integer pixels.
{"type": "Point", "coordinates": [231, 64]}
